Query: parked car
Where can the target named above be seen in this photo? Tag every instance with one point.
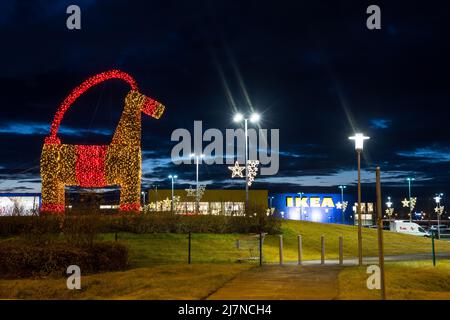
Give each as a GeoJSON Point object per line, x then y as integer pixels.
{"type": "Point", "coordinates": [404, 226]}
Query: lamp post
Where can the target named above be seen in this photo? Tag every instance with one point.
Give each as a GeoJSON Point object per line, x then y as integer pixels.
{"type": "Point", "coordinates": [359, 145]}
{"type": "Point", "coordinates": [238, 117]}
{"type": "Point", "coordinates": [156, 196]}
{"type": "Point", "coordinates": [389, 210]}
{"type": "Point", "coordinates": [342, 201]}
{"type": "Point", "coordinates": [143, 194]}
{"type": "Point", "coordinates": [197, 161]}
{"type": "Point", "coordinates": [301, 204]}
{"type": "Point", "coordinates": [172, 177]}
{"type": "Point", "coordinates": [439, 211]}
{"type": "Point", "coordinates": [270, 201]}
{"type": "Point", "coordinates": [409, 179]}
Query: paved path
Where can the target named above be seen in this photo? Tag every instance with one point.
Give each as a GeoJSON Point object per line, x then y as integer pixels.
{"type": "Point", "coordinates": [288, 282]}
{"type": "Point", "coordinates": [372, 260]}
{"type": "Point", "coordinates": [311, 281]}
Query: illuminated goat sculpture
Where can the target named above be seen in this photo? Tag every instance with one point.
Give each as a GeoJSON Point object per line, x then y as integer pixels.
{"type": "Point", "coordinates": [94, 166]}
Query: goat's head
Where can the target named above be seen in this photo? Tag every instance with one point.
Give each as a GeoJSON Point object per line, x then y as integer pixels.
{"type": "Point", "coordinates": [152, 108]}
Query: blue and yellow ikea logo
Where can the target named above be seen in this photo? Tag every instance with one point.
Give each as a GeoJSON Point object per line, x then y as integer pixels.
{"type": "Point", "coordinates": [310, 202]}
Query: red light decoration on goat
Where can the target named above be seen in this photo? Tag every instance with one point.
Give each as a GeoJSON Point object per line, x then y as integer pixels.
{"type": "Point", "coordinates": [118, 163]}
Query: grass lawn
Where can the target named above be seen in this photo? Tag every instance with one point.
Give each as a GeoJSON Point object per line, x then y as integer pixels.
{"type": "Point", "coordinates": [157, 282]}
{"type": "Point", "coordinates": [394, 243]}
{"type": "Point", "coordinates": [155, 249]}
{"type": "Point", "coordinates": [159, 269]}
{"type": "Point", "coordinates": [404, 280]}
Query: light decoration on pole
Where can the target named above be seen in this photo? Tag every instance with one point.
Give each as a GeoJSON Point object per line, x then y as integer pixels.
{"type": "Point", "coordinates": [118, 163]}
{"type": "Point", "coordinates": [237, 170]}
{"type": "Point", "coordinates": [252, 169]}
{"type": "Point", "coordinates": [389, 211]}
{"type": "Point", "coordinates": [342, 205]}
{"type": "Point", "coordinates": [192, 192]}
{"type": "Point", "coordinates": [411, 204]}
{"type": "Point", "coordinates": [439, 210]}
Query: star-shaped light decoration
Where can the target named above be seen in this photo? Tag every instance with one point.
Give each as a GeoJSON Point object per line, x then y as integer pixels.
{"type": "Point", "coordinates": [166, 204]}
{"type": "Point", "coordinates": [344, 206]}
{"type": "Point", "coordinates": [439, 210]}
{"type": "Point", "coordinates": [405, 203]}
{"type": "Point", "coordinates": [413, 202]}
{"type": "Point", "coordinates": [200, 192]}
{"type": "Point", "coordinates": [190, 192]}
{"type": "Point", "coordinates": [338, 205]}
{"type": "Point", "coordinates": [252, 170]}
{"type": "Point", "coordinates": [236, 170]}
{"type": "Point", "coordinates": [389, 211]}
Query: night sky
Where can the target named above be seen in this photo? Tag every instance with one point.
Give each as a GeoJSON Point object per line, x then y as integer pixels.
{"type": "Point", "coordinates": [310, 68]}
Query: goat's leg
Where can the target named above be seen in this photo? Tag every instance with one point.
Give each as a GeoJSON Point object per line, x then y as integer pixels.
{"type": "Point", "coordinates": [53, 200]}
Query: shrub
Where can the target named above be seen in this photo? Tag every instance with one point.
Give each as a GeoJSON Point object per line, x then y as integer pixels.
{"type": "Point", "coordinates": [24, 259]}
{"type": "Point", "coordinates": [82, 229]}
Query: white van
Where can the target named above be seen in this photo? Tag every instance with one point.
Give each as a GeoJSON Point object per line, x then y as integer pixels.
{"type": "Point", "coordinates": [404, 226]}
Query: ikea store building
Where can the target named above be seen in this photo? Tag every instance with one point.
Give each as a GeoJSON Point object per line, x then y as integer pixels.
{"type": "Point", "coordinates": [315, 207]}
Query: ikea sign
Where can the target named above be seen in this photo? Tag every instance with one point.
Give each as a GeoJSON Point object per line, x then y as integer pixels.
{"type": "Point", "coordinates": [310, 202]}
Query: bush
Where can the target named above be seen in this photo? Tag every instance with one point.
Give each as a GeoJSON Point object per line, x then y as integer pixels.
{"type": "Point", "coordinates": [24, 259]}
{"type": "Point", "coordinates": [82, 229]}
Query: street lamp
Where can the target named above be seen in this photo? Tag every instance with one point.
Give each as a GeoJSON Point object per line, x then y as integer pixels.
{"type": "Point", "coordinates": [238, 117]}
{"type": "Point", "coordinates": [270, 201]}
{"type": "Point", "coordinates": [172, 177]}
{"type": "Point", "coordinates": [359, 145]}
{"type": "Point", "coordinates": [342, 201]}
{"type": "Point", "coordinates": [143, 194]}
{"type": "Point", "coordinates": [301, 204]}
{"type": "Point", "coordinates": [156, 196]}
{"type": "Point", "coordinates": [389, 210]}
{"type": "Point", "coordinates": [197, 160]}
{"type": "Point", "coordinates": [409, 179]}
{"type": "Point", "coordinates": [439, 209]}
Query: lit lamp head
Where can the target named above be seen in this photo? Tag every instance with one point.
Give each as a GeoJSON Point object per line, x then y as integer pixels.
{"type": "Point", "coordinates": [342, 187]}
{"type": "Point", "coordinates": [173, 177]}
{"type": "Point", "coordinates": [359, 141]}
{"type": "Point", "coordinates": [238, 117]}
{"type": "Point", "coordinates": [438, 198]}
{"type": "Point", "coordinates": [389, 203]}
{"type": "Point", "coordinates": [200, 156]}
{"type": "Point", "coordinates": [254, 117]}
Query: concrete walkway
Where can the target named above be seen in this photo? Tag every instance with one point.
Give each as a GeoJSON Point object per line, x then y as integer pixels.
{"type": "Point", "coordinates": [287, 282]}
{"type": "Point", "coordinates": [311, 281]}
{"type": "Point", "coordinates": [374, 260]}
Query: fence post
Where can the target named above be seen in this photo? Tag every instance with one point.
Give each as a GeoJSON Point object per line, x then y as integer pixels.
{"type": "Point", "coordinates": [433, 252]}
{"type": "Point", "coordinates": [299, 249]}
{"type": "Point", "coordinates": [341, 250]}
{"type": "Point", "coordinates": [281, 249]}
{"type": "Point", "coordinates": [260, 249]}
{"type": "Point", "coordinates": [189, 248]}
{"type": "Point", "coordinates": [322, 244]}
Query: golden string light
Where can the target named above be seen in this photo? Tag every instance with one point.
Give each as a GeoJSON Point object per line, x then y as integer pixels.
{"type": "Point", "coordinates": [118, 163]}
